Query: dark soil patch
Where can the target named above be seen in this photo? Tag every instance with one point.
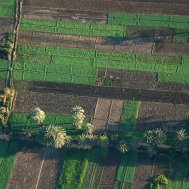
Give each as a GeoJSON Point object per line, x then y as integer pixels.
{"type": "Point", "coordinates": [104, 92]}
{"type": "Point", "coordinates": [173, 87]}
{"type": "Point", "coordinates": [6, 25]}
{"type": "Point", "coordinates": [143, 172]}
{"type": "Point", "coordinates": [158, 115]}
{"type": "Point", "coordinates": [110, 170]}
{"type": "Point", "coordinates": [54, 103]}
{"type": "Point", "coordinates": [129, 79]}
{"type": "Point", "coordinates": [140, 32]}
{"type": "Point", "coordinates": [169, 49]}
{"type": "Point", "coordinates": [111, 6]}
{"type": "Point", "coordinates": [160, 1]}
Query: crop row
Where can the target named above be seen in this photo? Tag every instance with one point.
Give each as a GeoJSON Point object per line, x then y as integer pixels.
{"type": "Point", "coordinates": [74, 169]}
{"type": "Point", "coordinates": [147, 20]}
{"type": "Point", "coordinates": [7, 157]}
{"type": "Point", "coordinates": [7, 10]}
{"type": "Point", "coordinates": [72, 28]}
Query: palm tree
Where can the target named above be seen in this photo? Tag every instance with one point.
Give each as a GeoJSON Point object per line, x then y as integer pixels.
{"type": "Point", "coordinates": [134, 143]}
{"type": "Point", "coordinates": [181, 143]}
{"type": "Point", "coordinates": [37, 115]}
{"type": "Point", "coordinates": [55, 136]}
{"type": "Point", "coordinates": [153, 139]}
{"type": "Point", "coordinates": [79, 116]}
{"type": "Point", "coordinates": [123, 148]}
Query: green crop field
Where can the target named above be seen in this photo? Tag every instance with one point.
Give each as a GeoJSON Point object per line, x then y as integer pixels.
{"type": "Point", "coordinates": [7, 157]}
{"type": "Point", "coordinates": [181, 36]}
{"type": "Point", "coordinates": [129, 115]}
{"type": "Point", "coordinates": [148, 20]}
{"type": "Point", "coordinates": [72, 28]}
{"type": "Point", "coordinates": [126, 168]}
{"type": "Point", "coordinates": [59, 64]}
{"type": "Point", "coordinates": [7, 8]}
{"type": "Point", "coordinates": [4, 65]}
{"type": "Point", "coordinates": [74, 169]}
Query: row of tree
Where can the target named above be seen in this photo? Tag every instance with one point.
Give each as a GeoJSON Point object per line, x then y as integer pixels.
{"type": "Point", "coordinates": [56, 136]}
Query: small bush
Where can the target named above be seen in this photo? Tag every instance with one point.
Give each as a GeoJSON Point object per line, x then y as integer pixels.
{"type": "Point", "coordinates": [157, 181]}
{"type": "Point", "coordinates": [161, 179]}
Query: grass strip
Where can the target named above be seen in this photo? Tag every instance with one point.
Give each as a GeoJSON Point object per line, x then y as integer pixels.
{"type": "Point", "coordinates": [130, 113]}
{"type": "Point", "coordinates": [7, 162]}
{"type": "Point", "coordinates": [122, 167]}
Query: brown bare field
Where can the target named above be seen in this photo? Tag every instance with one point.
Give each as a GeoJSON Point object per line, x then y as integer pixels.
{"type": "Point", "coordinates": [54, 103]}
{"type": "Point", "coordinates": [170, 117]}
{"type": "Point", "coordinates": [111, 6]}
{"type": "Point", "coordinates": [36, 168]}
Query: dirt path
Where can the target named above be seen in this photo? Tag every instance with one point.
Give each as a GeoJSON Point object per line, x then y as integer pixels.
{"type": "Point", "coordinates": [35, 168]}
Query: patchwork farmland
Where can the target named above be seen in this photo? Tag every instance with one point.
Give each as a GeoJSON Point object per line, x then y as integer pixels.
{"type": "Point", "coordinates": [124, 64]}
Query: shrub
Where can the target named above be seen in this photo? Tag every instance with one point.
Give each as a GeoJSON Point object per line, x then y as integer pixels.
{"type": "Point", "coordinates": [157, 181]}
{"type": "Point", "coordinates": [161, 179]}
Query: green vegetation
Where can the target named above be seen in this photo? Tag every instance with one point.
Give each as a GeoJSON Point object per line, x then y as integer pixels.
{"type": "Point", "coordinates": [8, 2]}
{"type": "Point", "coordinates": [4, 64]}
{"type": "Point", "coordinates": [19, 124]}
{"type": "Point", "coordinates": [95, 168]}
{"type": "Point", "coordinates": [129, 116]}
{"type": "Point", "coordinates": [8, 152]}
{"type": "Point", "coordinates": [157, 181]}
{"type": "Point", "coordinates": [80, 66]}
{"type": "Point", "coordinates": [7, 10]}
{"type": "Point", "coordinates": [148, 20]}
{"type": "Point", "coordinates": [181, 36]}
{"type": "Point", "coordinates": [179, 174]}
{"type": "Point", "coordinates": [173, 78]}
{"type": "Point", "coordinates": [127, 167]}
{"type": "Point", "coordinates": [73, 28]}
{"type": "Point", "coordinates": [74, 169]}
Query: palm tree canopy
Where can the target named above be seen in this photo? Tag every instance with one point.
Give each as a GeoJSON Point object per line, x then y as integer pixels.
{"type": "Point", "coordinates": [37, 115]}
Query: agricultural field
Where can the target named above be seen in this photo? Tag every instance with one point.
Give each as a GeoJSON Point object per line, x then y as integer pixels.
{"type": "Point", "coordinates": [94, 95]}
